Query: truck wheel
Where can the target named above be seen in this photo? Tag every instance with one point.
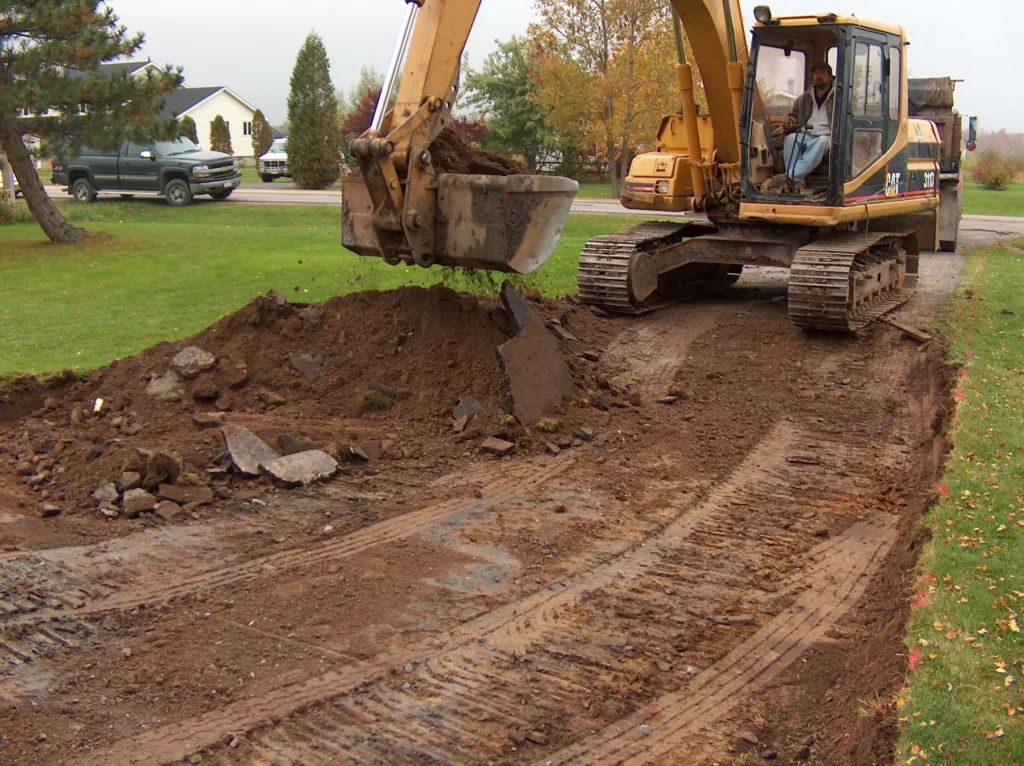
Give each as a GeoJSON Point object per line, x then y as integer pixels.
{"type": "Point", "coordinates": [267, 179]}
{"type": "Point", "coordinates": [222, 194]}
{"type": "Point", "coordinates": [177, 193]}
{"type": "Point", "coordinates": [82, 191]}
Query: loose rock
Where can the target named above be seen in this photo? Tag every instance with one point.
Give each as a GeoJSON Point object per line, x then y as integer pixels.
{"type": "Point", "coordinates": [136, 501]}
{"type": "Point", "coordinates": [518, 312]}
{"type": "Point", "coordinates": [367, 451]}
{"type": "Point", "coordinates": [109, 510]}
{"type": "Point", "coordinates": [584, 434]}
{"type": "Point", "coordinates": [498, 447]}
{"type": "Point", "coordinates": [167, 388]}
{"type": "Point", "coordinates": [208, 419]}
{"type": "Point", "coordinates": [168, 510]}
{"type": "Point", "coordinates": [302, 468]}
{"type": "Point", "coordinates": [536, 375]}
{"type": "Point", "coordinates": [246, 450]}
{"type": "Point", "coordinates": [128, 480]}
{"type": "Point", "coordinates": [802, 754]}
{"type": "Point", "coordinates": [460, 425]}
{"type": "Point", "coordinates": [749, 737]}
{"type": "Point", "coordinates": [289, 445]}
{"type": "Point", "coordinates": [306, 364]}
{"type": "Point", "coordinates": [106, 494]}
{"type": "Point", "coordinates": [183, 494]}
{"type": "Point", "coordinates": [537, 738]}
{"type": "Point", "coordinates": [191, 361]}
{"type": "Point", "coordinates": [561, 332]}
{"type": "Point", "coordinates": [668, 400]}
{"type": "Point", "coordinates": [591, 356]}
{"type": "Point", "coordinates": [467, 408]}
{"type": "Point", "coordinates": [49, 510]}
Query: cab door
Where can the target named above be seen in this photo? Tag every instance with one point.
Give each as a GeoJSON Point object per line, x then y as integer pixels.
{"type": "Point", "coordinates": [870, 134]}
{"type": "Point", "coordinates": [138, 172]}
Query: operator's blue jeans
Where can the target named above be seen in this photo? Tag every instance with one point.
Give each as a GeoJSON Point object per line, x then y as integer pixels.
{"type": "Point", "coordinates": [810, 151]}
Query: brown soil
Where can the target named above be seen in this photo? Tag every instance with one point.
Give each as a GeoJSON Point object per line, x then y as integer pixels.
{"type": "Point", "coordinates": [453, 155]}
{"type": "Point", "coordinates": [734, 560]}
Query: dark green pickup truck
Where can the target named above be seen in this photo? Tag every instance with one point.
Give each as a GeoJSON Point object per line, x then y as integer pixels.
{"type": "Point", "coordinates": [176, 170]}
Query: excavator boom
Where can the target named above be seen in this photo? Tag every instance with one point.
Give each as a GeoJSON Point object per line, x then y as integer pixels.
{"type": "Point", "coordinates": [398, 205]}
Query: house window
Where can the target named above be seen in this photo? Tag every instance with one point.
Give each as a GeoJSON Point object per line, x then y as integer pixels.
{"type": "Point", "coordinates": [246, 128]}
{"type": "Point", "coordinates": [24, 112]}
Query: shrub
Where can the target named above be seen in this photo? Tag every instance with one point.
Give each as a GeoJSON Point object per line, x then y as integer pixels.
{"type": "Point", "coordinates": [996, 171]}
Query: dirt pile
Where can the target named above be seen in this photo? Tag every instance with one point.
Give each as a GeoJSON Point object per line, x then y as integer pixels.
{"type": "Point", "coordinates": [364, 377]}
{"type": "Point", "coordinates": [453, 155]}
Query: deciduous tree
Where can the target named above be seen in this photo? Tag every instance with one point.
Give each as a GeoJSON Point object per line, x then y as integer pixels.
{"type": "Point", "coordinates": [606, 74]}
{"type": "Point", "coordinates": [220, 136]}
{"type": "Point", "coordinates": [313, 151]}
{"type": "Point", "coordinates": [50, 87]}
{"type": "Point", "coordinates": [262, 134]}
{"type": "Point", "coordinates": [505, 93]}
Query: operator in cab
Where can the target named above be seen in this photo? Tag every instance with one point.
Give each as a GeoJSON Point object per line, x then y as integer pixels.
{"type": "Point", "coordinates": [809, 126]}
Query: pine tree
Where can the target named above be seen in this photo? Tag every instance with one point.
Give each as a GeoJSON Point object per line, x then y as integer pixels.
{"type": "Point", "coordinates": [262, 134]}
{"type": "Point", "coordinates": [220, 136]}
{"type": "Point", "coordinates": [189, 130]}
{"type": "Point", "coordinates": [45, 46]}
{"type": "Point", "coordinates": [313, 140]}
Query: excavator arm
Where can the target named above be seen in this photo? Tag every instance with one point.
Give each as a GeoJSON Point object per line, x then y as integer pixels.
{"type": "Point", "coordinates": [399, 206]}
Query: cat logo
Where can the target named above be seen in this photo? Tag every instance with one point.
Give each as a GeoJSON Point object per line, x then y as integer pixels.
{"type": "Point", "coordinates": [892, 184]}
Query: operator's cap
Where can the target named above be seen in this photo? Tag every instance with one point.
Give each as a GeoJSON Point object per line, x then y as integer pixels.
{"type": "Point", "coordinates": [821, 66]}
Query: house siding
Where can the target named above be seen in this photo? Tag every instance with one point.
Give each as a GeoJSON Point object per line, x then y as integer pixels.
{"type": "Point", "coordinates": [234, 112]}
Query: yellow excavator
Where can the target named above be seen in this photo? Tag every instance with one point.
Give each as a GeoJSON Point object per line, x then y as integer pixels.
{"type": "Point", "coordinates": [850, 232]}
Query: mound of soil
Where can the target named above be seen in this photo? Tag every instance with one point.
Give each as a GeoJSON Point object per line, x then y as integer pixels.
{"type": "Point", "coordinates": [380, 367]}
{"type": "Point", "coordinates": [453, 155]}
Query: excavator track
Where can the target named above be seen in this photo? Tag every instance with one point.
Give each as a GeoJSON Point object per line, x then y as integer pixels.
{"type": "Point", "coordinates": [605, 273]}
{"type": "Point", "coordinates": [824, 292]}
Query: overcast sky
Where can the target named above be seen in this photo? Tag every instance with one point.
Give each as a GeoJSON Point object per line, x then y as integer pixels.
{"type": "Point", "coordinates": [250, 46]}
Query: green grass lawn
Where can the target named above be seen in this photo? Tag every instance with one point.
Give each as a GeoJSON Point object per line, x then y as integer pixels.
{"type": "Point", "coordinates": [964, 702]}
{"type": "Point", "coordinates": [166, 273]}
{"type": "Point", "coordinates": [595, 190]}
{"type": "Point", "coordinates": [981, 201]}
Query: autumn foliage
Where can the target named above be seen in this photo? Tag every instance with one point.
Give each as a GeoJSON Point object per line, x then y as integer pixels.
{"type": "Point", "coordinates": [996, 171]}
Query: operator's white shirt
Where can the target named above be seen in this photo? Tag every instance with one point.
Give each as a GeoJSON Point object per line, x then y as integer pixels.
{"type": "Point", "coordinates": [818, 124]}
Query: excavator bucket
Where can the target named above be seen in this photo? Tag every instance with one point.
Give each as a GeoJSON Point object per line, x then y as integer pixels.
{"type": "Point", "coordinates": [495, 223]}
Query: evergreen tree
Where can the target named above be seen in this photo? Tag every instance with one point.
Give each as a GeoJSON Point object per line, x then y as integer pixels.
{"type": "Point", "coordinates": [313, 140]}
{"type": "Point", "coordinates": [220, 136]}
{"type": "Point", "coordinates": [189, 130]}
{"type": "Point", "coordinates": [262, 134]}
{"type": "Point", "coordinates": [45, 46]}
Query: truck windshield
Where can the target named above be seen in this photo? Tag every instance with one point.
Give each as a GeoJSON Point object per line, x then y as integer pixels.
{"type": "Point", "coordinates": [176, 147]}
{"type": "Point", "coordinates": [277, 146]}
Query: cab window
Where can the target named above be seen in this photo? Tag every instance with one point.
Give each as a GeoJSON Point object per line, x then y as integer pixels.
{"type": "Point", "coordinates": [781, 77]}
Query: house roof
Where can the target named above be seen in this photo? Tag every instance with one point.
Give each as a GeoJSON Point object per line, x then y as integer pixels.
{"type": "Point", "coordinates": [184, 100]}
{"type": "Point", "coordinates": [112, 70]}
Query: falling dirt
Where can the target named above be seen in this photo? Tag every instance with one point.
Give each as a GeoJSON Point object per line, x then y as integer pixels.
{"type": "Point", "coordinates": [712, 537]}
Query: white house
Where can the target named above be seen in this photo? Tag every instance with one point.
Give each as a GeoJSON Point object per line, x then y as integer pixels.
{"type": "Point", "coordinates": [204, 104]}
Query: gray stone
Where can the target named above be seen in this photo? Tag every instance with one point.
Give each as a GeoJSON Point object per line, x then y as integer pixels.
{"type": "Point", "coordinates": [498, 447]}
{"type": "Point", "coordinates": [560, 332]}
{"type": "Point", "coordinates": [552, 448]}
{"type": "Point", "coordinates": [749, 737]}
{"type": "Point", "coordinates": [167, 388]}
{"type": "Point", "coordinates": [168, 510]}
{"type": "Point", "coordinates": [645, 730]}
{"type": "Point", "coordinates": [365, 450]}
{"type": "Point", "coordinates": [49, 510]}
{"type": "Point", "coordinates": [136, 501]}
{"type": "Point", "coordinates": [289, 445]}
{"type": "Point", "coordinates": [191, 361]}
{"type": "Point", "coordinates": [128, 480]}
{"type": "Point", "coordinates": [584, 434]}
{"type": "Point", "coordinates": [106, 494]}
{"type": "Point", "coordinates": [183, 494]}
{"type": "Point", "coordinates": [302, 467]}
{"type": "Point", "coordinates": [209, 419]}
{"type": "Point", "coordinates": [468, 406]}
{"type": "Point", "coordinates": [536, 375]}
{"type": "Point", "coordinates": [306, 364]}
{"type": "Point", "coordinates": [515, 305]}
{"type": "Point", "coordinates": [246, 450]}
{"type": "Point", "coordinates": [109, 510]}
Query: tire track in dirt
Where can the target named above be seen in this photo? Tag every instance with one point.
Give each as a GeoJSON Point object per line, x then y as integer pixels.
{"type": "Point", "coordinates": [459, 702]}
{"type": "Point", "coordinates": [498, 481]}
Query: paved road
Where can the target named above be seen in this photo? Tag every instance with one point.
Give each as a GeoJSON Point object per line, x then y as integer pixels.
{"type": "Point", "coordinates": [975, 230]}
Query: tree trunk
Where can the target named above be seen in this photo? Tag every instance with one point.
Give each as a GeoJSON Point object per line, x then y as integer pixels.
{"type": "Point", "coordinates": [8, 179]}
{"type": "Point", "coordinates": [50, 220]}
